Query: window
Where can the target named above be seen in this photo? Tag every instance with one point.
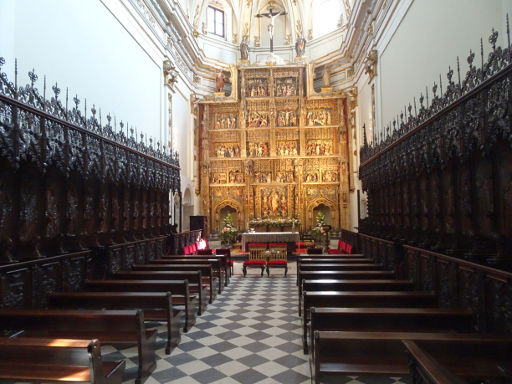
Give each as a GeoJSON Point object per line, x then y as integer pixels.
{"type": "Point", "coordinates": [215, 21]}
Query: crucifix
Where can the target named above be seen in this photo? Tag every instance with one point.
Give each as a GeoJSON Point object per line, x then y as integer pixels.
{"type": "Point", "coordinates": [271, 15]}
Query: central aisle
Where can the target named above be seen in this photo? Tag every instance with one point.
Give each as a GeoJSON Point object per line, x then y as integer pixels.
{"type": "Point", "coordinates": [250, 334]}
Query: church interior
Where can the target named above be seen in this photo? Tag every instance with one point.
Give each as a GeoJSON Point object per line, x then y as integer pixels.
{"type": "Point", "coordinates": [256, 191]}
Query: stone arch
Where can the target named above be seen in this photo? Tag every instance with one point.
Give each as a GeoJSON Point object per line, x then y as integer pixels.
{"type": "Point", "coordinates": [324, 203]}
{"type": "Point", "coordinates": [220, 209]}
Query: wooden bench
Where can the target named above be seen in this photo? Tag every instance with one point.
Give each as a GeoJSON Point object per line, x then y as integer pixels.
{"type": "Point", "coordinates": [334, 266]}
{"type": "Point", "coordinates": [222, 260]}
{"type": "Point", "coordinates": [476, 359]}
{"type": "Point", "coordinates": [354, 285]}
{"type": "Point", "coordinates": [194, 278]}
{"type": "Point", "coordinates": [206, 273]}
{"type": "Point", "coordinates": [388, 319]}
{"type": "Point", "coordinates": [338, 353]}
{"type": "Point", "coordinates": [28, 359]}
{"type": "Point", "coordinates": [182, 260]}
{"type": "Point", "coordinates": [157, 306]}
{"type": "Point", "coordinates": [116, 327]}
{"type": "Point", "coordinates": [328, 255]}
{"type": "Point", "coordinates": [425, 369]}
{"type": "Point", "coordinates": [182, 300]}
{"type": "Point", "coordinates": [343, 275]}
{"type": "Point", "coordinates": [358, 299]}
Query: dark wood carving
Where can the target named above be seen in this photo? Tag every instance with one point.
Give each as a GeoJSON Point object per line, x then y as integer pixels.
{"type": "Point", "coordinates": [74, 181]}
{"type": "Point", "coordinates": [439, 176]}
{"type": "Point", "coordinates": [457, 282]}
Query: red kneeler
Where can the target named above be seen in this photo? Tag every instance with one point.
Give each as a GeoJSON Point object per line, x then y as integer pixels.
{"type": "Point", "coordinates": [256, 257]}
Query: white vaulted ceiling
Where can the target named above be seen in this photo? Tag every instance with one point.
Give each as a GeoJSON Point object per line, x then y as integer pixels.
{"type": "Point", "coordinates": [314, 18]}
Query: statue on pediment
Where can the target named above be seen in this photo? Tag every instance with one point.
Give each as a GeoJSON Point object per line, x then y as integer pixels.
{"type": "Point", "coordinates": [244, 48]}
{"type": "Point", "coordinates": [300, 45]}
{"type": "Point", "coordinates": [220, 79]}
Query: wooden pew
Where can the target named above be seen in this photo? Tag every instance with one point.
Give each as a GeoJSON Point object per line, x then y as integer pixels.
{"type": "Point", "coordinates": [354, 285]}
{"type": "Point", "coordinates": [343, 275]}
{"type": "Point", "coordinates": [28, 359]}
{"type": "Point", "coordinates": [195, 281]}
{"type": "Point", "coordinates": [117, 327]}
{"type": "Point", "coordinates": [206, 272]}
{"type": "Point", "coordinates": [222, 259]}
{"type": "Point", "coordinates": [335, 266]}
{"type": "Point", "coordinates": [426, 369]}
{"type": "Point", "coordinates": [214, 262]}
{"type": "Point", "coordinates": [181, 297]}
{"type": "Point", "coordinates": [325, 258]}
{"type": "Point", "coordinates": [477, 360]}
{"type": "Point", "coordinates": [308, 260]}
{"type": "Point", "coordinates": [339, 353]}
{"type": "Point", "coordinates": [328, 256]}
{"type": "Point", "coordinates": [388, 319]}
{"type": "Point", "coordinates": [157, 306]}
{"type": "Point", "coordinates": [358, 299]}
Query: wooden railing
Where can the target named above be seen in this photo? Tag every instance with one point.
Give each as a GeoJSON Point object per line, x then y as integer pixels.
{"type": "Point", "coordinates": [458, 283]}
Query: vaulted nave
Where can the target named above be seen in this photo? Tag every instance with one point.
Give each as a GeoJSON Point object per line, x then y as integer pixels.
{"type": "Point", "coordinates": [256, 191]}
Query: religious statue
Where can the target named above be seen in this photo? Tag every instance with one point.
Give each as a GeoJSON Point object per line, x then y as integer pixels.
{"type": "Point", "coordinates": [244, 48]}
{"type": "Point", "coordinates": [326, 77]}
{"type": "Point", "coordinates": [220, 79]}
{"type": "Point", "coordinates": [300, 45]}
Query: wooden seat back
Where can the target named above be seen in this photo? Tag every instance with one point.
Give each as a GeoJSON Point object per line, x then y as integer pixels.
{"type": "Point", "coordinates": [389, 319]}
{"type": "Point", "coordinates": [479, 359]}
{"type": "Point", "coordinates": [194, 278]}
{"type": "Point", "coordinates": [124, 327]}
{"type": "Point", "coordinates": [56, 360]}
{"type": "Point", "coordinates": [179, 288]}
{"type": "Point", "coordinates": [353, 285]}
{"type": "Point", "coordinates": [157, 306]}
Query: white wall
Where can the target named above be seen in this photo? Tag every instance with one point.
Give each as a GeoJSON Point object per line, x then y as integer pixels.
{"type": "Point", "coordinates": [81, 45]}
{"type": "Point", "coordinates": [428, 39]}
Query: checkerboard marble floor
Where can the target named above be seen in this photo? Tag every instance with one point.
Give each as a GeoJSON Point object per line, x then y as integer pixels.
{"type": "Point", "coordinates": [250, 334]}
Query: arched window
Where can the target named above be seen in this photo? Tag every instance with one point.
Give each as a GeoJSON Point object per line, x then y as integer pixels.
{"type": "Point", "coordinates": [215, 21]}
{"type": "Point", "coordinates": [326, 16]}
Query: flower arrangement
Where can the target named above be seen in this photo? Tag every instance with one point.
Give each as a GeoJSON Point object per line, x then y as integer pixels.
{"type": "Point", "coordinates": [228, 233]}
{"type": "Point", "coordinates": [318, 232]}
{"type": "Point", "coordinates": [274, 221]}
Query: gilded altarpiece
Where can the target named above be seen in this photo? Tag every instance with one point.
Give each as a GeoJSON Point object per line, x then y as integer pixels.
{"type": "Point", "coordinates": [275, 153]}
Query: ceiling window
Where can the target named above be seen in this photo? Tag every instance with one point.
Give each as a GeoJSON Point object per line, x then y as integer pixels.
{"type": "Point", "coordinates": [215, 21]}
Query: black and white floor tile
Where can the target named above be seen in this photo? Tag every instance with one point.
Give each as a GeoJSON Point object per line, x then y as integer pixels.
{"type": "Point", "coordinates": [251, 334]}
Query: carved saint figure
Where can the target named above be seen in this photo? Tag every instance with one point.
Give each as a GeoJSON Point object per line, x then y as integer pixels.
{"type": "Point", "coordinates": [244, 48]}
{"type": "Point", "coordinates": [300, 45]}
{"type": "Point", "coordinates": [220, 79]}
{"type": "Point", "coordinates": [326, 77]}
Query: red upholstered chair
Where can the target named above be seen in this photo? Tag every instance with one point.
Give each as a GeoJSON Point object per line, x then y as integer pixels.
{"type": "Point", "coordinates": [300, 247]}
{"type": "Point", "coordinates": [341, 250]}
{"type": "Point", "coordinates": [256, 257]}
{"type": "Point", "coordinates": [277, 257]}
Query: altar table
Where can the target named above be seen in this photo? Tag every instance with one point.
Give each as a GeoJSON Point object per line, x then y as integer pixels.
{"type": "Point", "coordinates": [269, 237]}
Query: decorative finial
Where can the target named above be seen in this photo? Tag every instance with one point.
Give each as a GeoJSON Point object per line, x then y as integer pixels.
{"type": "Point", "coordinates": [56, 90]}
{"type": "Point", "coordinates": [508, 40]}
{"type": "Point", "coordinates": [33, 78]}
{"type": "Point", "coordinates": [493, 38]}
{"type": "Point", "coordinates": [458, 69]}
